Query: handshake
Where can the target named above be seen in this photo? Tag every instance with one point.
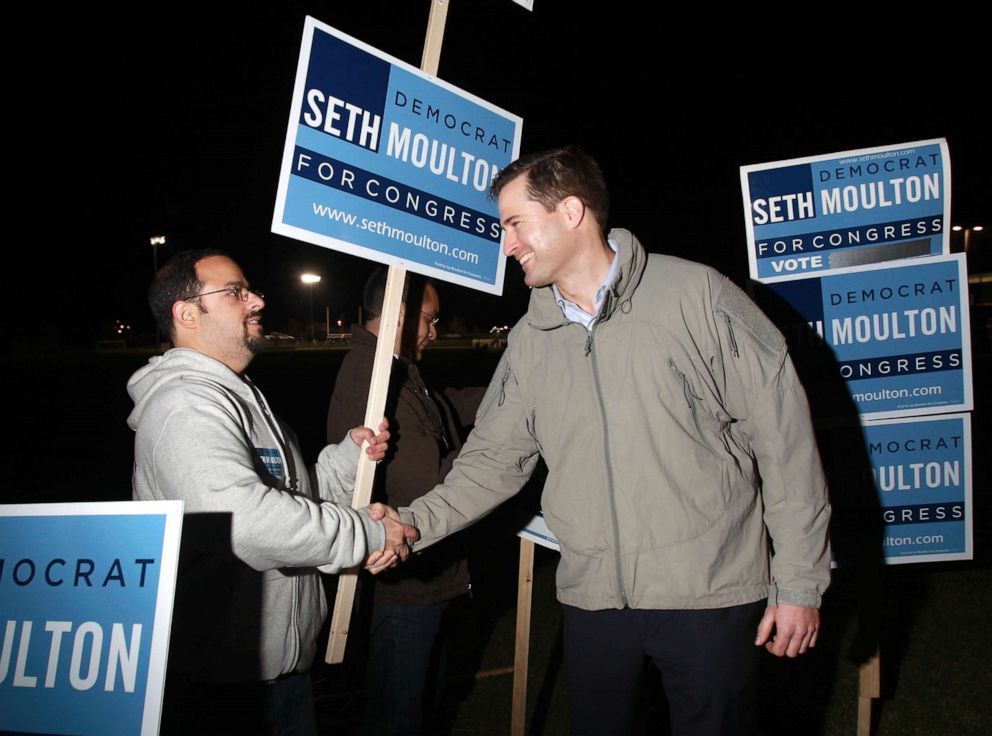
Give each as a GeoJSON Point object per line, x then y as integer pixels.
{"type": "Point", "coordinates": [398, 539]}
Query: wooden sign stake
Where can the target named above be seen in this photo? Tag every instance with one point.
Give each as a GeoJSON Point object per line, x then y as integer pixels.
{"type": "Point", "coordinates": [381, 366]}
{"type": "Point", "coordinates": [869, 687]}
{"type": "Point", "coordinates": [525, 589]}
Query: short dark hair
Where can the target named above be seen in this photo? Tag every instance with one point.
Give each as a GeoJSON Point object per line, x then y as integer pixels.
{"type": "Point", "coordinates": [175, 281]}
{"type": "Point", "coordinates": [559, 173]}
{"type": "Point", "coordinates": [375, 291]}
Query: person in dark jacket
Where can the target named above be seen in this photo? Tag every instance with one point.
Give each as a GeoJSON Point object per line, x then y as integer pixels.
{"type": "Point", "coordinates": [406, 656]}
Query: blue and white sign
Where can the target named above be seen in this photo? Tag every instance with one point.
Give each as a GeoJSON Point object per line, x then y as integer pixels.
{"type": "Point", "coordinates": [537, 531]}
{"type": "Point", "coordinates": [921, 470]}
{"type": "Point", "coordinates": [805, 216]}
{"type": "Point", "coordinates": [900, 334]}
{"type": "Point", "coordinates": [86, 593]}
{"type": "Point", "coordinates": [387, 163]}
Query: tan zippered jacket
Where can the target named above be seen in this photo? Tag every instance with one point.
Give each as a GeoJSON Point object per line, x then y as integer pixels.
{"type": "Point", "coordinates": [677, 439]}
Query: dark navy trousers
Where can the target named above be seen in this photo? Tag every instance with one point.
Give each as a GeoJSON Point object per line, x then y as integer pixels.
{"type": "Point", "coordinates": [707, 659]}
{"type": "Point", "coordinates": [406, 667]}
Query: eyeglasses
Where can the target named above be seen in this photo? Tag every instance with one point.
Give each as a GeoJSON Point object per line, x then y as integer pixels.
{"type": "Point", "coordinates": [238, 292]}
{"type": "Point", "coordinates": [434, 318]}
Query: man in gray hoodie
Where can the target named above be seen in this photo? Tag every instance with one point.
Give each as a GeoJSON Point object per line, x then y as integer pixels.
{"type": "Point", "coordinates": [249, 603]}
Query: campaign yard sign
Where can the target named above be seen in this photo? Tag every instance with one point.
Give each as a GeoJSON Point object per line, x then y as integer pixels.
{"type": "Point", "coordinates": [921, 470]}
{"type": "Point", "coordinates": [86, 593]}
{"type": "Point", "coordinates": [806, 216]}
{"type": "Point", "coordinates": [386, 163]}
{"type": "Point", "coordinates": [899, 334]}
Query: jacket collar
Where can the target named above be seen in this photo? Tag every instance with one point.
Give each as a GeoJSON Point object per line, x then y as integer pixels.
{"type": "Point", "coordinates": [543, 313]}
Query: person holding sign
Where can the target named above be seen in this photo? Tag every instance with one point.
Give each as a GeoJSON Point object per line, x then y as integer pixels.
{"type": "Point", "coordinates": [406, 660]}
{"type": "Point", "coordinates": [249, 603]}
{"type": "Point", "coordinates": [684, 483]}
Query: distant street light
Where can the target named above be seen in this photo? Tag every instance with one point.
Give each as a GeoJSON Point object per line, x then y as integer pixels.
{"type": "Point", "coordinates": [967, 233]}
{"type": "Point", "coordinates": [156, 241]}
{"type": "Point", "coordinates": [310, 279]}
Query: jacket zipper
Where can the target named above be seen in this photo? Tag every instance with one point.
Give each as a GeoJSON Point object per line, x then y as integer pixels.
{"type": "Point", "coordinates": [611, 493]}
{"type": "Point", "coordinates": [294, 618]}
{"type": "Point", "coordinates": [290, 478]}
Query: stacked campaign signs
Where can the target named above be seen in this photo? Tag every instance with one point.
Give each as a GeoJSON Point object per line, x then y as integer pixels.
{"type": "Point", "coordinates": [386, 163]}
{"type": "Point", "coordinates": [855, 246]}
{"type": "Point", "coordinates": [86, 595]}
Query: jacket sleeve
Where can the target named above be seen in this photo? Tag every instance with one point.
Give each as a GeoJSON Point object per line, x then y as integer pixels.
{"type": "Point", "coordinates": [201, 456]}
{"type": "Point", "coordinates": [336, 468]}
{"type": "Point", "coordinates": [780, 431]}
{"type": "Point", "coordinates": [494, 464]}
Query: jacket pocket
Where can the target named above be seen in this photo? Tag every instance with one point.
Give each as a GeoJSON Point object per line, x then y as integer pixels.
{"type": "Point", "coordinates": [532, 429]}
{"type": "Point", "coordinates": [692, 399]}
{"type": "Point", "coordinates": [713, 428]}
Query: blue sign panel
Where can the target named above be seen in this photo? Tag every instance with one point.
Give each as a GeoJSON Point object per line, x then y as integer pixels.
{"type": "Point", "coordinates": [384, 162]}
{"type": "Point", "coordinates": [921, 471]}
{"type": "Point", "coordinates": [85, 609]}
{"type": "Point", "coordinates": [811, 215]}
{"type": "Point", "coordinates": [899, 334]}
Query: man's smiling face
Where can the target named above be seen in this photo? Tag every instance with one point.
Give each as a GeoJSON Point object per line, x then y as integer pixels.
{"type": "Point", "coordinates": [539, 240]}
{"type": "Point", "coordinates": [230, 329]}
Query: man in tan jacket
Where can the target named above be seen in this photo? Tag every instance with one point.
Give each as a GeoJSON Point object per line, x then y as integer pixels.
{"type": "Point", "coordinates": [684, 484]}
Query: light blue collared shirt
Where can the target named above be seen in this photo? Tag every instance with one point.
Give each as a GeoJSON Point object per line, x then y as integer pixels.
{"type": "Point", "coordinates": [576, 313]}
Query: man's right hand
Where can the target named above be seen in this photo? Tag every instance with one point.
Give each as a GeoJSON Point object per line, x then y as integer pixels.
{"type": "Point", "coordinates": [398, 538]}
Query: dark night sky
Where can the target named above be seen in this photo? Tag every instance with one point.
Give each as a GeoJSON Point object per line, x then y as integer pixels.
{"type": "Point", "coordinates": [171, 121]}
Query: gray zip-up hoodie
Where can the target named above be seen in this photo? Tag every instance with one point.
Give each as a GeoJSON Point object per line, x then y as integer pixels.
{"type": "Point", "coordinates": [248, 602]}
